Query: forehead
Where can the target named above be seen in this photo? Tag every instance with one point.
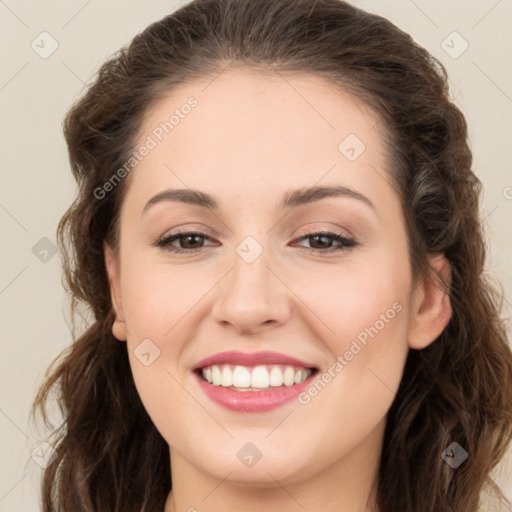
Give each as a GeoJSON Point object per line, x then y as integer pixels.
{"type": "Point", "coordinates": [254, 132]}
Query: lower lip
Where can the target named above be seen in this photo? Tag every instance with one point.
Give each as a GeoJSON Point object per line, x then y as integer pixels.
{"type": "Point", "coordinates": [252, 401]}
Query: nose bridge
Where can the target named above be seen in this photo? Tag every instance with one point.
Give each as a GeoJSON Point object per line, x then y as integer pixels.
{"type": "Point", "coordinates": [251, 295]}
{"type": "Point", "coordinates": [251, 262]}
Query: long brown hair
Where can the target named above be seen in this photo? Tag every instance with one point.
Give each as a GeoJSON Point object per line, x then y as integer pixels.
{"type": "Point", "coordinates": [110, 457]}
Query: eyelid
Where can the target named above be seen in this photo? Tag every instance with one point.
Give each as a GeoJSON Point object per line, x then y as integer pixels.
{"type": "Point", "coordinates": [187, 229]}
{"type": "Point", "coordinates": [336, 230]}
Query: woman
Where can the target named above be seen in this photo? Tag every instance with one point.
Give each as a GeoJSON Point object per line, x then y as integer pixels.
{"type": "Point", "coordinates": [277, 231]}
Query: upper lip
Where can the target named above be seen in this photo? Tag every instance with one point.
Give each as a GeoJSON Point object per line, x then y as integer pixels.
{"type": "Point", "coordinates": [251, 359]}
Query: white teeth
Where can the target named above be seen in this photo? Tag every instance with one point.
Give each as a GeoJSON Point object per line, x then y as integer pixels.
{"type": "Point", "coordinates": [289, 376]}
{"type": "Point", "coordinates": [258, 377]}
{"type": "Point", "coordinates": [241, 377]}
{"type": "Point", "coordinates": [226, 377]}
{"type": "Point", "coordinates": [276, 377]}
{"type": "Point", "coordinates": [216, 378]}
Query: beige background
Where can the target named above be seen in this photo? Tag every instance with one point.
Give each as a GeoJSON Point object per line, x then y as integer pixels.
{"type": "Point", "coordinates": [36, 185]}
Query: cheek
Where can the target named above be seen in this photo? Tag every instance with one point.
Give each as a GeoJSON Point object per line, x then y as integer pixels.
{"type": "Point", "coordinates": [354, 299]}
{"type": "Point", "coordinates": [161, 303]}
{"type": "Point", "coordinates": [365, 321]}
{"type": "Point", "coordinates": [354, 393]}
{"type": "Point", "coordinates": [168, 403]}
{"type": "Point", "coordinates": [156, 297]}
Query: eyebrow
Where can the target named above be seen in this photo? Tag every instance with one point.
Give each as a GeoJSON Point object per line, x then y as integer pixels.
{"type": "Point", "coordinates": [291, 199]}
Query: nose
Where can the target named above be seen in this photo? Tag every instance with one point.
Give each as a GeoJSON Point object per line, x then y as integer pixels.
{"type": "Point", "coordinates": [252, 296]}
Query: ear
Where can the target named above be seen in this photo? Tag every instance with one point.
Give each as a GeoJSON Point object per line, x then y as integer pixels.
{"type": "Point", "coordinates": [112, 265]}
{"type": "Point", "coordinates": [431, 309]}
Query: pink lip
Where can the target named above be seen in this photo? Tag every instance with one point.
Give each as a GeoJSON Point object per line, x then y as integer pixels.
{"type": "Point", "coordinates": [251, 359]}
{"type": "Point", "coordinates": [252, 401]}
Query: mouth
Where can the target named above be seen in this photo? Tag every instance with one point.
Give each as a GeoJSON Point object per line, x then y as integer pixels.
{"type": "Point", "coordinates": [254, 378]}
{"type": "Point", "coordinates": [255, 382]}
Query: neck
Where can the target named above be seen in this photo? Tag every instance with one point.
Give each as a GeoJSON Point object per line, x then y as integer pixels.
{"type": "Point", "coordinates": [345, 485]}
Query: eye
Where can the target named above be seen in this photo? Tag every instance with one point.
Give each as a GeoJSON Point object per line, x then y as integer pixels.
{"type": "Point", "coordinates": [323, 240]}
{"type": "Point", "coordinates": [188, 239]}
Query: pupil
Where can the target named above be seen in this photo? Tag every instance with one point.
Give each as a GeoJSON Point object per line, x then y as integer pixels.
{"type": "Point", "coordinates": [189, 237]}
{"type": "Point", "coordinates": [319, 237]}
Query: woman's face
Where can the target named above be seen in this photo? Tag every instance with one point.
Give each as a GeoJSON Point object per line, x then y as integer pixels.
{"type": "Point", "coordinates": [253, 289]}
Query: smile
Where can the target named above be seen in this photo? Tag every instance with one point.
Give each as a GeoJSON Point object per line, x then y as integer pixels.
{"type": "Point", "coordinates": [243, 378]}
{"type": "Point", "coordinates": [255, 382]}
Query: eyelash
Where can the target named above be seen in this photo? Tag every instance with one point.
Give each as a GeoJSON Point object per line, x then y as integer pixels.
{"type": "Point", "coordinates": [346, 243]}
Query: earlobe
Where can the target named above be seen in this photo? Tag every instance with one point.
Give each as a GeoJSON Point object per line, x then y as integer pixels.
{"type": "Point", "coordinates": [431, 304]}
{"type": "Point", "coordinates": [112, 268]}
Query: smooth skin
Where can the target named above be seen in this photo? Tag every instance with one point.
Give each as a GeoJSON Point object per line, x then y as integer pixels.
{"type": "Point", "coordinates": [250, 139]}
